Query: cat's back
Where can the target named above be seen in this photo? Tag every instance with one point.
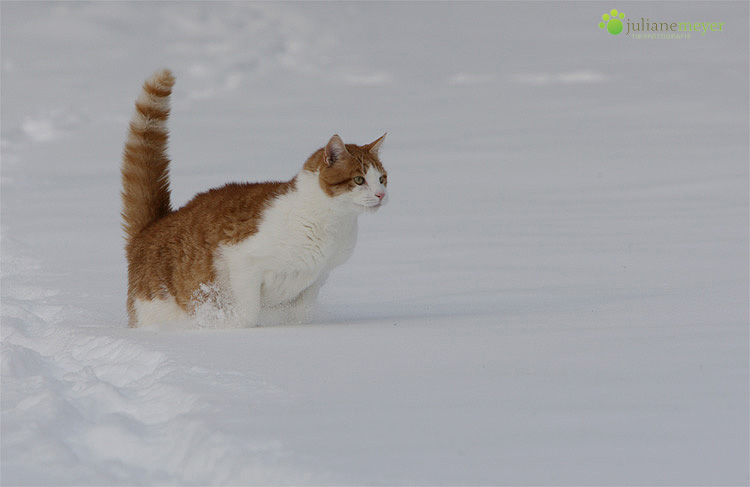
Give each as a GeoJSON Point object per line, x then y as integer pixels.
{"type": "Point", "coordinates": [227, 214]}
{"type": "Point", "coordinates": [191, 234]}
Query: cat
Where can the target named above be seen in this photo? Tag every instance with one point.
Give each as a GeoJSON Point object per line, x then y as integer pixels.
{"type": "Point", "coordinates": [244, 248]}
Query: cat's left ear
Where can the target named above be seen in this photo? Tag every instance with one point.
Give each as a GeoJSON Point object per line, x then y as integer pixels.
{"type": "Point", "coordinates": [334, 150]}
{"type": "Point", "coordinates": [374, 147]}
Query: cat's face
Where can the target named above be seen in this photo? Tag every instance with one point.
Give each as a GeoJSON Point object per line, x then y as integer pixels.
{"type": "Point", "coordinates": [353, 175]}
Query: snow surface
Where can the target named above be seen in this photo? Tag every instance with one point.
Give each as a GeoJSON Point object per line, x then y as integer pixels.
{"type": "Point", "coordinates": [557, 292]}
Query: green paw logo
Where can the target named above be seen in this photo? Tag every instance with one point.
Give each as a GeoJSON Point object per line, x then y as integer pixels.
{"type": "Point", "coordinates": [612, 22]}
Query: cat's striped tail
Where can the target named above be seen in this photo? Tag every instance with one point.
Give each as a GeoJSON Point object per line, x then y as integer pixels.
{"type": "Point", "coordinates": [145, 164]}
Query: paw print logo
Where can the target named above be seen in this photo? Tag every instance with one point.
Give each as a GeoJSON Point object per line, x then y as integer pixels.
{"type": "Point", "coordinates": [612, 22]}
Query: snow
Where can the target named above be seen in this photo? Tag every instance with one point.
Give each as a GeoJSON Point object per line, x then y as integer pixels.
{"type": "Point", "coordinates": [556, 294]}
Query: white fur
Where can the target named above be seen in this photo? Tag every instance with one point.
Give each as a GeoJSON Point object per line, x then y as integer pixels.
{"type": "Point", "coordinates": [366, 193]}
{"type": "Point", "coordinates": [302, 236]}
{"type": "Point", "coordinates": [158, 311]}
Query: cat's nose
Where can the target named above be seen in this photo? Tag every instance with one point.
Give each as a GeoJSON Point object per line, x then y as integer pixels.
{"type": "Point", "coordinates": [380, 195]}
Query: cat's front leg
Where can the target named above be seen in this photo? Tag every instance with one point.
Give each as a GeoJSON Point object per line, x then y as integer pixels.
{"type": "Point", "coordinates": [301, 309]}
{"type": "Point", "coordinates": [245, 289]}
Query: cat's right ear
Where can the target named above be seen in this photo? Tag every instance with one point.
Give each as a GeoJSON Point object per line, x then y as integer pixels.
{"type": "Point", "coordinates": [334, 150]}
{"type": "Point", "coordinates": [374, 147]}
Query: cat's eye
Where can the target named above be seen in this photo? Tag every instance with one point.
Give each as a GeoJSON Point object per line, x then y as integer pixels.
{"type": "Point", "coordinates": [382, 179]}
{"type": "Point", "coordinates": [359, 180]}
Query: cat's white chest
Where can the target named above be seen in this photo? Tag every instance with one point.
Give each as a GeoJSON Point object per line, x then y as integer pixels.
{"type": "Point", "coordinates": [298, 246]}
{"type": "Point", "coordinates": [300, 239]}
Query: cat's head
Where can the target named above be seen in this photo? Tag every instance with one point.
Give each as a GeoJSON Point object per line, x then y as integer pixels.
{"type": "Point", "coordinates": [351, 174]}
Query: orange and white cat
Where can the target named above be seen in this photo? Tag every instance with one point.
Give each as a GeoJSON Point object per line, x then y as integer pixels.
{"type": "Point", "coordinates": [244, 248]}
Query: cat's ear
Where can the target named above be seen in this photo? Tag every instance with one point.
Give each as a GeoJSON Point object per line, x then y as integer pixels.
{"type": "Point", "coordinates": [334, 150]}
{"type": "Point", "coordinates": [374, 147]}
